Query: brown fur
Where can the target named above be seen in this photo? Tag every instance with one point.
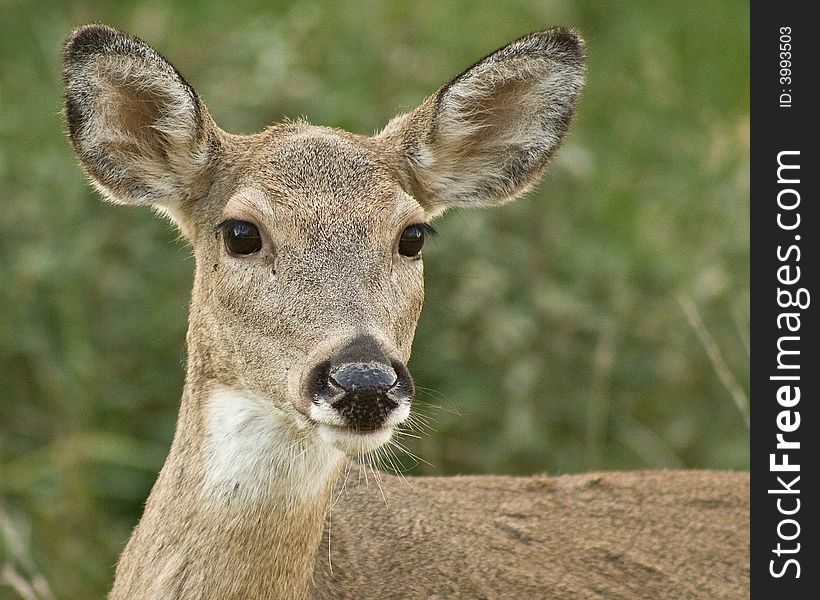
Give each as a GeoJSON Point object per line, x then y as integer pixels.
{"type": "Point", "coordinates": [663, 534]}
{"type": "Point", "coordinates": [239, 509]}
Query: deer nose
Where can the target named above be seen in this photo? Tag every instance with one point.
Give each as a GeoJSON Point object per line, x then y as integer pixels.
{"type": "Point", "coordinates": [361, 385]}
{"type": "Point", "coordinates": [361, 377]}
{"type": "Point", "coordinates": [365, 402]}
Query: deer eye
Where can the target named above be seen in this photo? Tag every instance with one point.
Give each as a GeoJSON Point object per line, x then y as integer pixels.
{"type": "Point", "coordinates": [241, 238]}
{"type": "Point", "coordinates": [412, 239]}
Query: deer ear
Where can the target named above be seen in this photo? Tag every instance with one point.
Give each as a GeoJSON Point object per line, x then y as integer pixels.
{"type": "Point", "coordinates": [139, 130]}
{"type": "Point", "coordinates": [486, 136]}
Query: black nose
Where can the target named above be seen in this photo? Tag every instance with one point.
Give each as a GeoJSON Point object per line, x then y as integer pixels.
{"type": "Point", "coordinates": [362, 384]}
{"type": "Point", "coordinates": [371, 376]}
{"type": "Point", "coordinates": [365, 401]}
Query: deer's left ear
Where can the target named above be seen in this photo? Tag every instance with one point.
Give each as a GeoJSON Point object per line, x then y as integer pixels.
{"type": "Point", "coordinates": [486, 136]}
{"type": "Point", "coordinates": [139, 130]}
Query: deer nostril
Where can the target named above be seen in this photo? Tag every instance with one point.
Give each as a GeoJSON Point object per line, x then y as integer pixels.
{"type": "Point", "coordinates": [364, 376]}
{"type": "Point", "coordinates": [360, 387]}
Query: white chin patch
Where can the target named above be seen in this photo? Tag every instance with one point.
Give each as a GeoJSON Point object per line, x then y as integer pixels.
{"type": "Point", "coordinates": [255, 449]}
{"type": "Point", "coordinates": [354, 442]}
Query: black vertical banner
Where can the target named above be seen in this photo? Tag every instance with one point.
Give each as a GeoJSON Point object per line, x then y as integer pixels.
{"type": "Point", "coordinates": [785, 557]}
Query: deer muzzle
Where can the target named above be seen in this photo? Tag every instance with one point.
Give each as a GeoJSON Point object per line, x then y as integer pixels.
{"type": "Point", "coordinates": [360, 390]}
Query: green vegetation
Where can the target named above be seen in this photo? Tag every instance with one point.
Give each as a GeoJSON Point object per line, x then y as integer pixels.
{"type": "Point", "coordinates": [600, 323]}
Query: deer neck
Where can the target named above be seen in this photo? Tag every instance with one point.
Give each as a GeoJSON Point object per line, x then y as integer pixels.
{"type": "Point", "coordinates": [239, 506]}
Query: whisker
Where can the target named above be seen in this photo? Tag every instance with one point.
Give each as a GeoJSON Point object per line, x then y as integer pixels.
{"type": "Point", "coordinates": [406, 451]}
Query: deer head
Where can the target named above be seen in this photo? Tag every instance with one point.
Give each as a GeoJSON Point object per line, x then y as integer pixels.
{"type": "Point", "coordinates": [308, 240]}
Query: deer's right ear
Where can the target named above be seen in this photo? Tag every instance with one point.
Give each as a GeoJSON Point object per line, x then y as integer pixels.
{"type": "Point", "coordinates": [139, 130]}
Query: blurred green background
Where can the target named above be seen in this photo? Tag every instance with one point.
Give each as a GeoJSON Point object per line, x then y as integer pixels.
{"type": "Point", "coordinates": [600, 323]}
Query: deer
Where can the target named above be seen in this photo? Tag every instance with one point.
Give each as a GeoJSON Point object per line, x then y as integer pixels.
{"type": "Point", "coordinates": [308, 285]}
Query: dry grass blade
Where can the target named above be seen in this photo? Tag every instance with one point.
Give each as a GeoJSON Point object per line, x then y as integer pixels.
{"type": "Point", "coordinates": [731, 384]}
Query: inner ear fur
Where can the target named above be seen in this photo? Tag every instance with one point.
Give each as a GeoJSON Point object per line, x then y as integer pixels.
{"type": "Point", "coordinates": [487, 135]}
{"type": "Point", "coordinates": [138, 128]}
